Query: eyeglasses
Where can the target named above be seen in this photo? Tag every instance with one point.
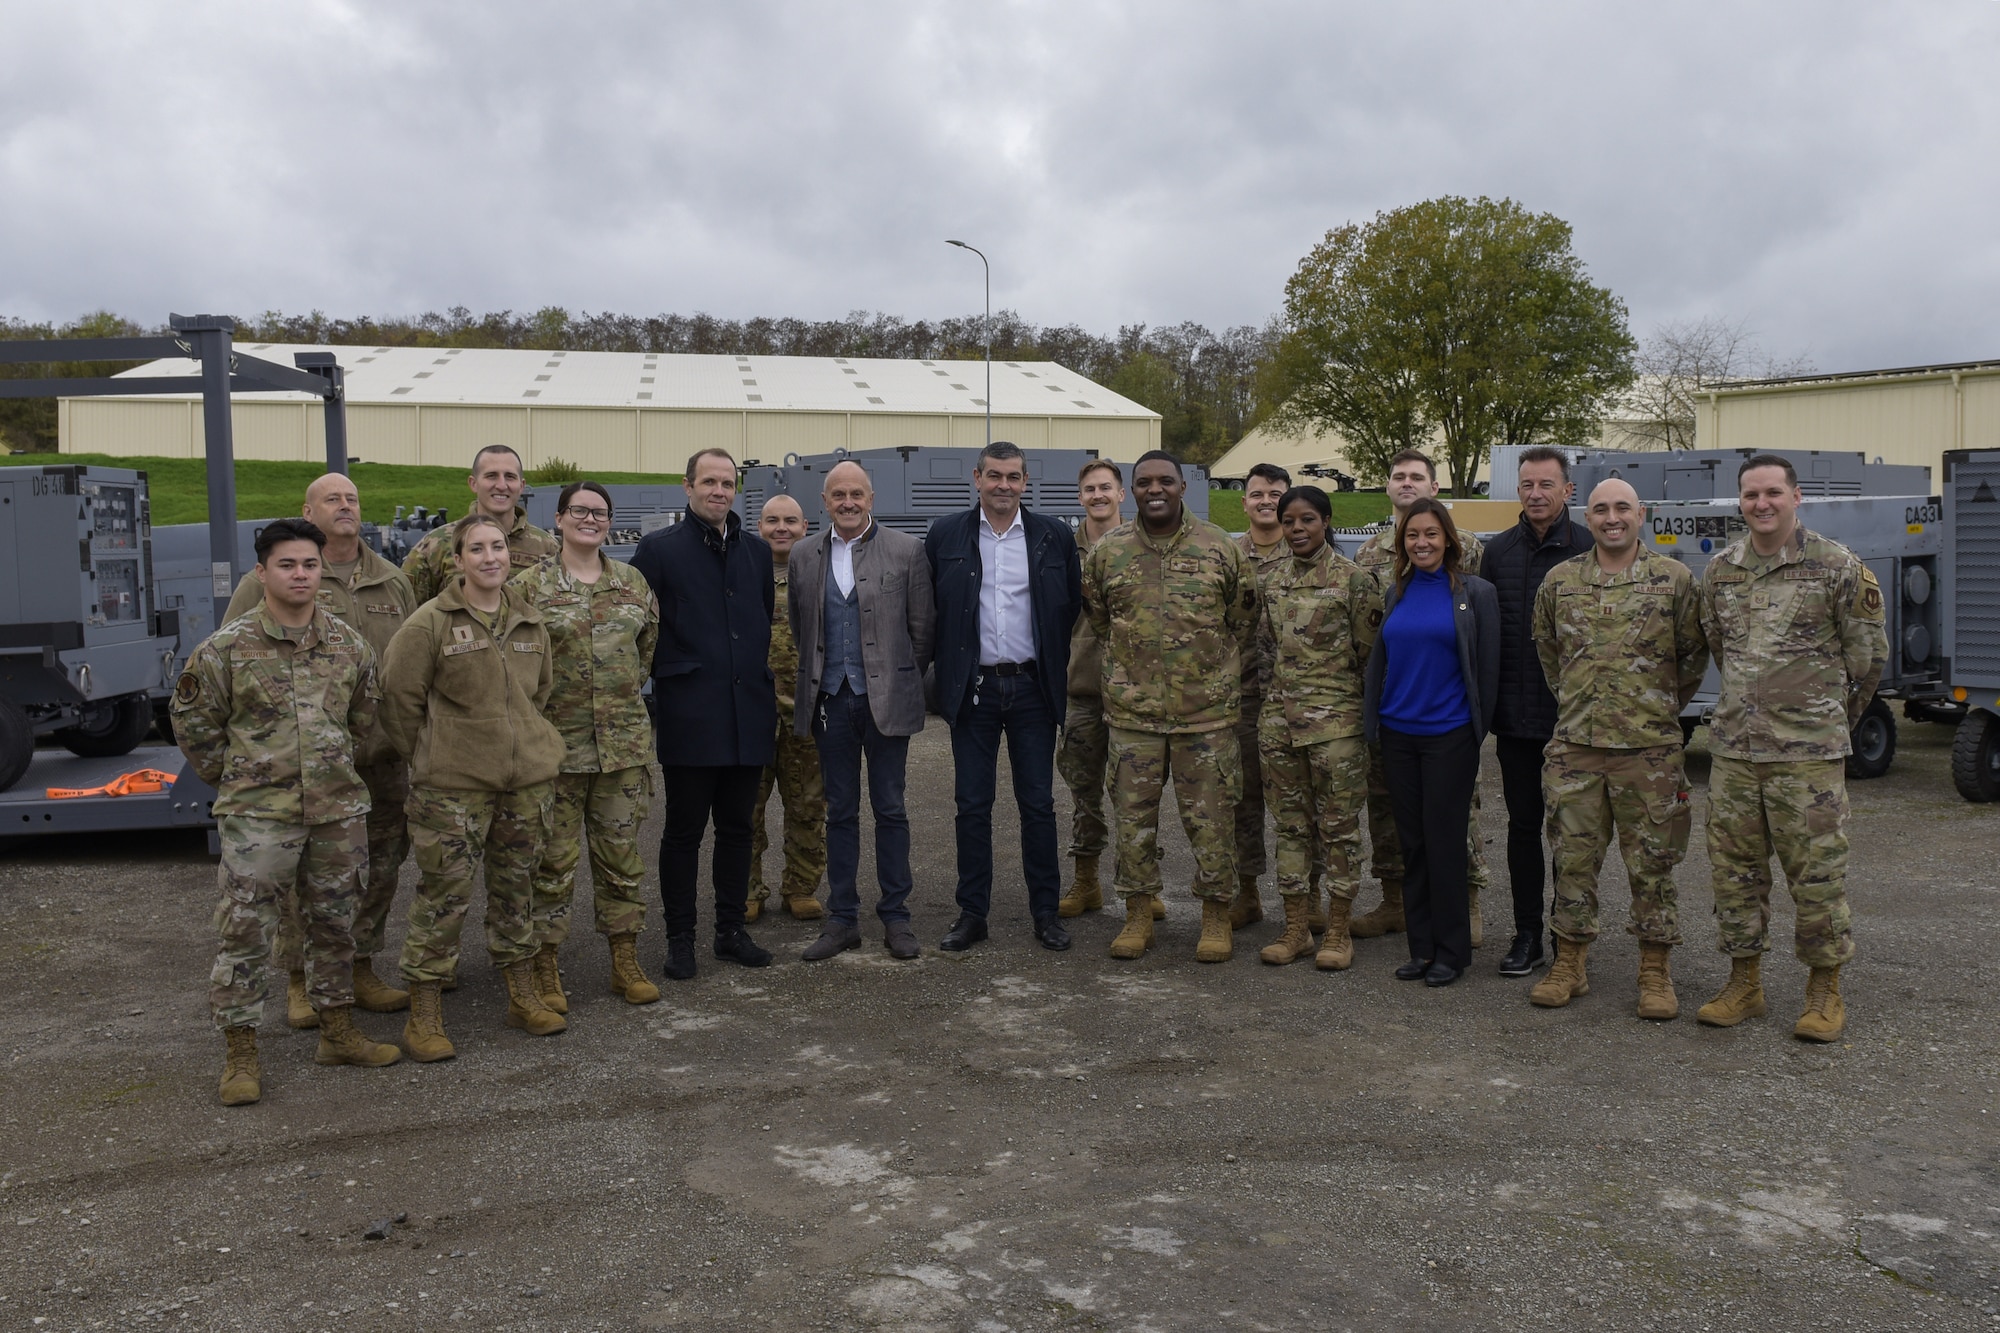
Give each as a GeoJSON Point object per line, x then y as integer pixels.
{"type": "Point", "coordinates": [583, 513]}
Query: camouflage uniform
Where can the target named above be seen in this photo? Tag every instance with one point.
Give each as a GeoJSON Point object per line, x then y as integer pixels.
{"type": "Point", "coordinates": [1799, 643]}
{"type": "Point", "coordinates": [794, 774]}
{"type": "Point", "coordinates": [1317, 623]}
{"type": "Point", "coordinates": [1385, 853]}
{"type": "Point", "coordinates": [1624, 653]}
{"type": "Point", "coordinates": [268, 717]}
{"type": "Point", "coordinates": [1250, 861]}
{"type": "Point", "coordinates": [1175, 617]}
{"type": "Point", "coordinates": [1085, 755]}
{"type": "Point", "coordinates": [432, 562]}
{"type": "Point", "coordinates": [374, 598]}
{"type": "Point", "coordinates": [601, 635]}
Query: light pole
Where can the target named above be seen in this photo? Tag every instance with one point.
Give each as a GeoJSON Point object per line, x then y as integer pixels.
{"type": "Point", "coordinates": [989, 331]}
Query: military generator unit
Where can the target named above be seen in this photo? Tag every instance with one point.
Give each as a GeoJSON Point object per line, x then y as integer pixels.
{"type": "Point", "coordinates": [1971, 622]}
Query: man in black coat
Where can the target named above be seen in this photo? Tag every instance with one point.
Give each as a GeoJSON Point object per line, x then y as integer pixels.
{"type": "Point", "coordinates": [714, 710]}
{"type": "Point", "coordinates": [1524, 717]}
{"type": "Point", "coordinates": [1009, 586]}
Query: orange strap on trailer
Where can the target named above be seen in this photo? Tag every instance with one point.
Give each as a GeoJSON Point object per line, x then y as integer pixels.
{"type": "Point", "coordinates": [139, 782]}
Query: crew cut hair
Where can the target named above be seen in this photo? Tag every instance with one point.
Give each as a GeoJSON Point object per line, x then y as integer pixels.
{"type": "Point", "coordinates": [287, 530]}
{"type": "Point", "coordinates": [1269, 472]}
{"type": "Point", "coordinates": [1105, 464]}
{"type": "Point", "coordinates": [1768, 460]}
{"type": "Point", "coordinates": [486, 449]}
{"type": "Point", "coordinates": [1163, 456]}
{"type": "Point", "coordinates": [694, 460]}
{"type": "Point", "coordinates": [1002, 450]}
{"type": "Point", "coordinates": [1414, 456]}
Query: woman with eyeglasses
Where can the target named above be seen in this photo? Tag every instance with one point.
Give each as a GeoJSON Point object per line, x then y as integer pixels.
{"type": "Point", "coordinates": [603, 621]}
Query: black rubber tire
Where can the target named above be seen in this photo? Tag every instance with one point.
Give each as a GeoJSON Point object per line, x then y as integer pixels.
{"type": "Point", "coordinates": [1874, 740]}
{"type": "Point", "coordinates": [1941, 712]}
{"type": "Point", "coordinates": [17, 743]}
{"type": "Point", "coordinates": [130, 718]}
{"type": "Point", "coordinates": [1975, 757]}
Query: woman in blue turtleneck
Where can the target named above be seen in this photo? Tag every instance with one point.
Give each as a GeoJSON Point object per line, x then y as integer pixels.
{"type": "Point", "coordinates": [1432, 681]}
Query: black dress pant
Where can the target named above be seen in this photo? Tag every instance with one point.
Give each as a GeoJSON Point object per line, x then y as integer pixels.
{"type": "Point", "coordinates": [695, 795]}
{"type": "Point", "coordinates": [1527, 821]}
{"type": "Point", "coordinates": [1431, 780]}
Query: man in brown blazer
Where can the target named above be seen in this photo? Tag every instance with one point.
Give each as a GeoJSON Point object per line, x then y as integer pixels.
{"type": "Point", "coordinates": [864, 620]}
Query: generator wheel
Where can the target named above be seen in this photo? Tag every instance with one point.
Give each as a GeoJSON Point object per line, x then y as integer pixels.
{"type": "Point", "coordinates": [110, 730]}
{"type": "Point", "coordinates": [1975, 757]}
{"type": "Point", "coordinates": [1874, 740]}
{"type": "Point", "coordinates": [17, 743]}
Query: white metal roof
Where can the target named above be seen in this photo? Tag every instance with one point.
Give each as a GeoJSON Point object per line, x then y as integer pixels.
{"type": "Point", "coordinates": [510, 377]}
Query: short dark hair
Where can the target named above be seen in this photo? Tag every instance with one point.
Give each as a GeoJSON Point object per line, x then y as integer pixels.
{"type": "Point", "coordinates": [1269, 472]}
{"type": "Point", "coordinates": [569, 493]}
{"type": "Point", "coordinates": [1414, 456]}
{"type": "Point", "coordinates": [1312, 495]}
{"type": "Point", "coordinates": [486, 449]}
{"type": "Point", "coordinates": [1000, 449]}
{"type": "Point", "coordinates": [467, 524]}
{"type": "Point", "coordinates": [1543, 453]}
{"type": "Point", "coordinates": [1097, 463]}
{"type": "Point", "coordinates": [1159, 455]}
{"type": "Point", "coordinates": [1768, 460]}
{"type": "Point", "coordinates": [287, 530]}
{"type": "Point", "coordinates": [712, 452]}
{"type": "Point", "coordinates": [1454, 548]}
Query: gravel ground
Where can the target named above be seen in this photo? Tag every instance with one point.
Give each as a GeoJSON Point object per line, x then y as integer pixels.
{"type": "Point", "coordinates": [1014, 1139]}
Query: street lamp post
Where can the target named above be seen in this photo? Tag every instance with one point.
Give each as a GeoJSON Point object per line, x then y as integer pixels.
{"type": "Point", "coordinates": [989, 331]}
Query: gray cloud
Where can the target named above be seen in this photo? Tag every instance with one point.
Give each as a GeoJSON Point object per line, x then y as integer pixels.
{"type": "Point", "coordinates": [1822, 171]}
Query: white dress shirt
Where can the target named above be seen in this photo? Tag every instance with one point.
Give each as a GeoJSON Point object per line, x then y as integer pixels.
{"type": "Point", "coordinates": [843, 559]}
{"type": "Point", "coordinates": [1006, 615]}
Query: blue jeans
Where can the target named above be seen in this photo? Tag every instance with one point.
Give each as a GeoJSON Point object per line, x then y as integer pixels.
{"type": "Point", "coordinates": [1012, 706]}
{"type": "Point", "coordinates": [844, 730]}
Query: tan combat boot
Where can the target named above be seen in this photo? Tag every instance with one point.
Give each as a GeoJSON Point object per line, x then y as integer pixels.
{"type": "Point", "coordinates": [423, 1031]}
{"type": "Point", "coordinates": [1085, 893]}
{"type": "Point", "coordinates": [548, 980]}
{"type": "Point", "coordinates": [1296, 942]}
{"type": "Point", "coordinates": [1137, 937]}
{"type": "Point", "coordinates": [374, 994]}
{"type": "Point", "coordinates": [525, 1009]}
{"type": "Point", "coordinates": [628, 979]}
{"type": "Point", "coordinates": [1656, 984]}
{"type": "Point", "coordinates": [753, 905]}
{"type": "Point", "coordinates": [1472, 910]}
{"type": "Point", "coordinates": [1566, 980]}
{"type": "Point", "coordinates": [1336, 947]}
{"type": "Point", "coordinates": [241, 1078]}
{"type": "Point", "coordinates": [1741, 997]}
{"type": "Point", "coordinates": [1386, 919]}
{"type": "Point", "coordinates": [299, 1012]}
{"type": "Point", "coordinates": [1825, 1017]}
{"type": "Point", "coordinates": [1218, 941]}
{"type": "Point", "coordinates": [1246, 907]}
{"type": "Point", "coordinates": [1315, 906]}
{"type": "Point", "coordinates": [1158, 907]}
{"type": "Point", "coordinates": [342, 1043]}
{"type": "Point", "coordinates": [801, 903]}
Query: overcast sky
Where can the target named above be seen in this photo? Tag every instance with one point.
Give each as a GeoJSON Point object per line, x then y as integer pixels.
{"type": "Point", "coordinates": [1824, 172]}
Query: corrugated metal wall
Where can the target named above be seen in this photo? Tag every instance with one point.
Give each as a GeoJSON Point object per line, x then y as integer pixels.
{"type": "Point", "coordinates": [1901, 420]}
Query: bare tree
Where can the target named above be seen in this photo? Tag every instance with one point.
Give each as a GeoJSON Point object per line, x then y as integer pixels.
{"type": "Point", "coordinates": [1682, 360]}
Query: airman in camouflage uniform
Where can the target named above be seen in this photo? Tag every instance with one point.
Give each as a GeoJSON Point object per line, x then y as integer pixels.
{"type": "Point", "coordinates": [372, 596]}
{"type": "Point", "coordinates": [795, 776]}
{"type": "Point", "coordinates": [1799, 643]}
{"type": "Point", "coordinates": [1385, 853]}
{"type": "Point", "coordinates": [1624, 652]}
{"type": "Point", "coordinates": [1317, 622]}
{"type": "Point", "coordinates": [267, 714]}
{"type": "Point", "coordinates": [1175, 615]}
{"type": "Point", "coordinates": [1250, 858]}
{"type": "Point", "coordinates": [430, 564]}
{"type": "Point", "coordinates": [1084, 757]}
{"type": "Point", "coordinates": [601, 635]}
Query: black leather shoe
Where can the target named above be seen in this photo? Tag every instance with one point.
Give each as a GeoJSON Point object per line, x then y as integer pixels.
{"type": "Point", "coordinates": [1442, 974]}
{"type": "Point", "coordinates": [965, 932]}
{"type": "Point", "coordinates": [738, 947]}
{"type": "Point", "coordinates": [680, 958]}
{"type": "Point", "coordinates": [901, 941]}
{"type": "Point", "coordinates": [1052, 935]}
{"type": "Point", "coordinates": [835, 937]}
{"type": "Point", "coordinates": [1524, 955]}
{"type": "Point", "coordinates": [1413, 970]}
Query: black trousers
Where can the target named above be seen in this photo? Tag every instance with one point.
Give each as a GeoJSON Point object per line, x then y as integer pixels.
{"type": "Point", "coordinates": [1431, 780]}
{"type": "Point", "coordinates": [695, 795]}
{"type": "Point", "coordinates": [1527, 827]}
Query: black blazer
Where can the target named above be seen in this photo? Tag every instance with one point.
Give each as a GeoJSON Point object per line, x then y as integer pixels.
{"type": "Point", "coordinates": [1055, 590]}
{"type": "Point", "coordinates": [1515, 564]}
{"type": "Point", "coordinates": [714, 704]}
{"type": "Point", "coordinates": [1476, 613]}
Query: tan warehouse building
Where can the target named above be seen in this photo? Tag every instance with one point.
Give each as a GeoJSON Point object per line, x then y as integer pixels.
{"type": "Point", "coordinates": [624, 411]}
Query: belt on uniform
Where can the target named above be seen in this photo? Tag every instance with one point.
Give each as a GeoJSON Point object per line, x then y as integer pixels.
{"type": "Point", "coordinates": [1005, 669]}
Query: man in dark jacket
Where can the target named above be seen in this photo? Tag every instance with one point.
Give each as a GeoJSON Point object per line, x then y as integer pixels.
{"type": "Point", "coordinates": [1008, 585]}
{"type": "Point", "coordinates": [715, 712]}
{"type": "Point", "coordinates": [1524, 717]}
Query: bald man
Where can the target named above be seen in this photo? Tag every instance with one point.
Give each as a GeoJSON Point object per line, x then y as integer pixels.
{"type": "Point", "coordinates": [795, 772]}
{"type": "Point", "coordinates": [1618, 631]}
{"type": "Point", "coordinates": [372, 595]}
